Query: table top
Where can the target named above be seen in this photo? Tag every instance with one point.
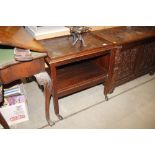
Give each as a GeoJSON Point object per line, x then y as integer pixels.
{"type": "Point", "coordinates": [126, 34]}
{"type": "Point", "coordinates": [17, 36]}
{"type": "Point", "coordinates": [7, 57]}
{"type": "Point", "coordinates": [62, 46]}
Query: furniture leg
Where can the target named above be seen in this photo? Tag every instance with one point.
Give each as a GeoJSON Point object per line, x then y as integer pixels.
{"type": "Point", "coordinates": [3, 122]}
{"type": "Point", "coordinates": [54, 91]}
{"type": "Point", "coordinates": [151, 73]}
{"type": "Point", "coordinates": [108, 88]}
{"type": "Point", "coordinates": [44, 79]}
{"type": "Point", "coordinates": [47, 104]}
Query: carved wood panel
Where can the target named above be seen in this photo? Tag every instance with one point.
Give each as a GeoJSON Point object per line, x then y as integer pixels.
{"type": "Point", "coordinates": [125, 63]}
{"type": "Point", "coordinates": [146, 58]}
{"type": "Point", "coordinates": [133, 62]}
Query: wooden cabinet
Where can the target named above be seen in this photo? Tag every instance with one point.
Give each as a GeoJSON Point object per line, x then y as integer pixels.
{"type": "Point", "coordinates": [74, 68]}
{"type": "Point", "coordinates": [136, 53]}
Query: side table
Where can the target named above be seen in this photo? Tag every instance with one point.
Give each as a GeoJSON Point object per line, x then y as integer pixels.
{"type": "Point", "coordinates": [11, 70]}
{"type": "Point", "coordinates": [75, 68]}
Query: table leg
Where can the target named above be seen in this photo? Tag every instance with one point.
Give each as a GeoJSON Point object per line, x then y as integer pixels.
{"type": "Point", "coordinates": [108, 87]}
{"type": "Point", "coordinates": [47, 104]}
{"type": "Point", "coordinates": [54, 91]}
{"type": "Point", "coordinates": [3, 122]}
{"type": "Point", "coordinates": [44, 79]}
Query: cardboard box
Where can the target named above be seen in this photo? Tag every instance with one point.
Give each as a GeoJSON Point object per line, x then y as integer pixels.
{"type": "Point", "coordinates": [14, 109]}
{"type": "Point", "coordinates": [16, 113]}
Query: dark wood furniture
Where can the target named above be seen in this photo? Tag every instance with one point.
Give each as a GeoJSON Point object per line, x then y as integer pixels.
{"type": "Point", "coordinates": [112, 57]}
{"type": "Point", "coordinates": [11, 70]}
{"type": "Point", "coordinates": [74, 68]}
{"type": "Point", "coordinates": [135, 55]}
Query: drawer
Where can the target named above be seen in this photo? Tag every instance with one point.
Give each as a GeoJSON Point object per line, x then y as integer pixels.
{"type": "Point", "coordinates": [21, 70]}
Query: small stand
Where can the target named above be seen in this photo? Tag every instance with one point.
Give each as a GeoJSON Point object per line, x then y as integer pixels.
{"type": "Point", "coordinates": [78, 37]}
{"type": "Point", "coordinates": [76, 32]}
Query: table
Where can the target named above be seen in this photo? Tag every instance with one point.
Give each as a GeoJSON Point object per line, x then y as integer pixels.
{"type": "Point", "coordinates": [75, 68]}
{"type": "Point", "coordinates": [11, 70]}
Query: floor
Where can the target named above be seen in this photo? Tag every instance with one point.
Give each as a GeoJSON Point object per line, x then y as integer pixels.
{"type": "Point", "coordinates": [132, 105]}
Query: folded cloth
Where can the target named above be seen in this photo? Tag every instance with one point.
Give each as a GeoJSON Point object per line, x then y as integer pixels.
{"type": "Point", "coordinates": [22, 54]}
{"type": "Point", "coordinates": [44, 79]}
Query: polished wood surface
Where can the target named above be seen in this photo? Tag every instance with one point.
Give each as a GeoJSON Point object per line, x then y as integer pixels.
{"type": "Point", "coordinates": [121, 35]}
{"type": "Point", "coordinates": [61, 50]}
{"type": "Point", "coordinates": [62, 46]}
{"type": "Point", "coordinates": [17, 36]}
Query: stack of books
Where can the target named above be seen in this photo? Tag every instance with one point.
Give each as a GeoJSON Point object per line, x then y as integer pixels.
{"type": "Point", "coordinates": [22, 54]}
{"type": "Point", "coordinates": [15, 90]}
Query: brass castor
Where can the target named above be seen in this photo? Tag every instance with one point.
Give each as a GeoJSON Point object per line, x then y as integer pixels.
{"type": "Point", "coordinates": [151, 73]}
{"type": "Point", "coordinates": [50, 123]}
{"type": "Point", "coordinates": [106, 98]}
{"type": "Point", "coordinates": [59, 117]}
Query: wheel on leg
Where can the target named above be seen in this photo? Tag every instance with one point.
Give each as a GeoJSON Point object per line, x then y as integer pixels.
{"type": "Point", "coordinates": [59, 117]}
{"type": "Point", "coordinates": [106, 98]}
{"type": "Point", "coordinates": [50, 123]}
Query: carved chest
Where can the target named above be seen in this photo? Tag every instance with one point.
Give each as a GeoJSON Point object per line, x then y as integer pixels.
{"type": "Point", "coordinates": [136, 53]}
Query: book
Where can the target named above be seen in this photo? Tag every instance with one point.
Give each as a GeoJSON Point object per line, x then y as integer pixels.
{"type": "Point", "coordinates": [12, 100]}
{"type": "Point", "coordinates": [46, 32]}
{"type": "Point", "coordinates": [15, 90]}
